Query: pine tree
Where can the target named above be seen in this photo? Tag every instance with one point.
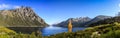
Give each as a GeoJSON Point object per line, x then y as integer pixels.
{"type": "Point", "coordinates": [69, 26]}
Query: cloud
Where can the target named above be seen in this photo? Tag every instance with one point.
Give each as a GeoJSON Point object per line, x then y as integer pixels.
{"type": "Point", "coordinates": [119, 4]}
{"type": "Point", "coordinates": [16, 6]}
{"type": "Point", "coordinates": [8, 6]}
{"type": "Point", "coordinates": [4, 6]}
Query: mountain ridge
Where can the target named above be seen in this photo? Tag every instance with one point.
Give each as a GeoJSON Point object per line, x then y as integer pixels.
{"type": "Point", "coordinates": [75, 21]}
{"type": "Point", "coordinates": [82, 21]}
{"type": "Point", "coordinates": [21, 17]}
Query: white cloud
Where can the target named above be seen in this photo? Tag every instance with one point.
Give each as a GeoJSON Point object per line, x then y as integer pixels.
{"type": "Point", "coordinates": [8, 6]}
{"type": "Point", "coordinates": [4, 6]}
{"type": "Point", "coordinates": [119, 4]}
{"type": "Point", "coordinates": [16, 6]}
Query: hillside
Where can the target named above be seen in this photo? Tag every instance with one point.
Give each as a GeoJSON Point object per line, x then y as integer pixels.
{"type": "Point", "coordinates": [106, 21]}
{"type": "Point", "coordinates": [96, 19]}
{"type": "Point", "coordinates": [21, 17]}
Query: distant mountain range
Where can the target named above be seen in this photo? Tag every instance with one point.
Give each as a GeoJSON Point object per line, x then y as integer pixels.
{"type": "Point", "coordinates": [82, 21]}
{"type": "Point", "coordinates": [21, 17]}
{"type": "Point", "coordinates": [97, 18]}
{"type": "Point", "coordinates": [106, 21]}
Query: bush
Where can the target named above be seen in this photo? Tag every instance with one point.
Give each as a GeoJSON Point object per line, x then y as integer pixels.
{"type": "Point", "coordinates": [112, 34]}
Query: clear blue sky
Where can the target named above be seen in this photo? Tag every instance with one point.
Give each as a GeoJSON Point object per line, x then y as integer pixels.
{"type": "Point", "coordinates": [54, 11]}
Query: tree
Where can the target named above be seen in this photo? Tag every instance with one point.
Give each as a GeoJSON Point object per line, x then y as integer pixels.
{"type": "Point", "coordinates": [69, 26]}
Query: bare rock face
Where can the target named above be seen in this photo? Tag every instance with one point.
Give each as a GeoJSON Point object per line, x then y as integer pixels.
{"type": "Point", "coordinates": [21, 17]}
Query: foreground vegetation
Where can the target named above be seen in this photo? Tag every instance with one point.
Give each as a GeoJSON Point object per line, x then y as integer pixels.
{"type": "Point", "coordinates": [102, 31]}
{"type": "Point", "coordinates": [7, 33]}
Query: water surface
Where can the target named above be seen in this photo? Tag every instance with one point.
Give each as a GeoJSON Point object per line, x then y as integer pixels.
{"type": "Point", "coordinates": [51, 30]}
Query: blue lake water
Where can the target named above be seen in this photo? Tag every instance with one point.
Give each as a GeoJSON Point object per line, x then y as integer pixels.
{"type": "Point", "coordinates": [55, 30]}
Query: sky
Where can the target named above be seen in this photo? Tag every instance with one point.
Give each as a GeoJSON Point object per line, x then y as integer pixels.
{"type": "Point", "coordinates": [55, 11]}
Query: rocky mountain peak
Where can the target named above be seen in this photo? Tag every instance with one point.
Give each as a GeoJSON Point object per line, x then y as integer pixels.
{"type": "Point", "coordinates": [77, 22]}
{"type": "Point", "coordinates": [22, 8]}
{"type": "Point", "coordinates": [22, 16]}
{"type": "Point", "coordinates": [80, 19]}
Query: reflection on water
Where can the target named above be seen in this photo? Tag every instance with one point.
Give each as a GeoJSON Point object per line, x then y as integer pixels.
{"type": "Point", "coordinates": [55, 30]}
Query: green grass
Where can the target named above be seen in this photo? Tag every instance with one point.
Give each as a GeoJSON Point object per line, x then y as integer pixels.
{"type": "Point", "coordinates": [7, 33]}
{"type": "Point", "coordinates": [4, 30]}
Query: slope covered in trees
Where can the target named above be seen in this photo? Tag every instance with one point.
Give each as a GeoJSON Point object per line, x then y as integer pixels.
{"type": "Point", "coordinates": [106, 21]}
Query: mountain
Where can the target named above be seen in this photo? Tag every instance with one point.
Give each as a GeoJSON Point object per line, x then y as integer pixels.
{"type": "Point", "coordinates": [82, 21]}
{"type": "Point", "coordinates": [97, 18]}
{"type": "Point", "coordinates": [106, 21]}
{"type": "Point", "coordinates": [21, 17]}
{"type": "Point", "coordinates": [22, 20]}
{"type": "Point", "coordinates": [76, 22]}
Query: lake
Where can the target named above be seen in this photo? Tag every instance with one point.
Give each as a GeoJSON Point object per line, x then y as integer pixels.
{"type": "Point", "coordinates": [51, 30]}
